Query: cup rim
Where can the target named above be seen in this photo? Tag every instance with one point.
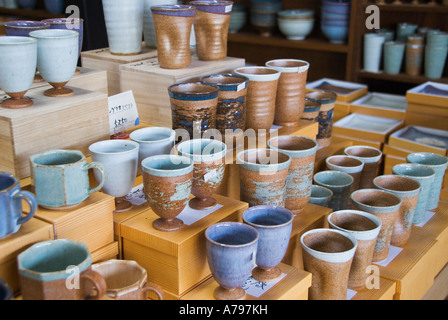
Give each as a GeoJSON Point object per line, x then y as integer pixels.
{"type": "Point", "coordinates": [270, 76]}
{"type": "Point", "coordinates": [401, 193]}
{"type": "Point", "coordinates": [231, 223]}
{"type": "Point", "coordinates": [381, 209]}
{"type": "Point", "coordinates": [334, 172]}
{"type": "Point", "coordinates": [276, 208]}
{"type": "Point", "coordinates": [429, 172]}
{"type": "Point", "coordinates": [323, 97]}
{"type": "Point", "coordinates": [113, 142]}
{"type": "Point", "coordinates": [20, 40]}
{"type": "Point", "coordinates": [159, 172]}
{"type": "Point", "coordinates": [35, 24]}
{"type": "Point", "coordinates": [244, 80]}
{"type": "Point", "coordinates": [263, 167]}
{"type": "Point", "coordinates": [348, 169]}
{"type": "Point", "coordinates": [57, 21]}
{"type": "Point", "coordinates": [365, 159]}
{"type": "Point", "coordinates": [12, 177]}
{"type": "Point", "coordinates": [53, 34]}
{"type": "Point", "coordinates": [202, 95]}
{"type": "Point", "coordinates": [443, 159]}
{"type": "Point", "coordinates": [35, 157]}
{"type": "Point", "coordinates": [302, 152]}
{"type": "Point", "coordinates": [358, 234]}
{"type": "Point", "coordinates": [133, 135]}
{"type": "Point", "coordinates": [202, 157]}
{"type": "Point", "coordinates": [316, 186]}
{"type": "Point", "coordinates": [289, 69]}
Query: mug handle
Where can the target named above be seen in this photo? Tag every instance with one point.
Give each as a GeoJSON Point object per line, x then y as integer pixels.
{"type": "Point", "coordinates": [31, 200]}
{"type": "Point", "coordinates": [99, 166]}
{"type": "Point", "coordinates": [97, 282]}
{"type": "Point", "coordinates": [150, 286]}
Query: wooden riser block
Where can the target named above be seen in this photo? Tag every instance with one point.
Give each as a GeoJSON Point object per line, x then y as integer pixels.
{"type": "Point", "coordinates": [109, 251]}
{"type": "Point", "coordinates": [174, 260]}
{"type": "Point", "coordinates": [294, 286]}
{"type": "Point", "coordinates": [91, 222]}
{"type": "Point", "coordinates": [149, 83]}
{"type": "Point", "coordinates": [72, 122]}
{"type": "Point", "coordinates": [426, 120]}
{"type": "Point", "coordinates": [102, 59]}
{"type": "Point", "coordinates": [386, 291]}
{"type": "Point", "coordinates": [31, 232]}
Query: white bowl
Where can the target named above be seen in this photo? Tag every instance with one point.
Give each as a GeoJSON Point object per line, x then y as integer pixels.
{"type": "Point", "coordinates": [295, 29]}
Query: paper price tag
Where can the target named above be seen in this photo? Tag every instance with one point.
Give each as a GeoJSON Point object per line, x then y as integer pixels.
{"type": "Point", "coordinates": [210, 175]}
{"type": "Point", "coordinates": [123, 112]}
{"type": "Point", "coordinates": [240, 87]}
{"type": "Point", "coordinates": [228, 8]}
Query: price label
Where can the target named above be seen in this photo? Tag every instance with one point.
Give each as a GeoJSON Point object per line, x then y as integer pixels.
{"type": "Point", "coordinates": [123, 112]}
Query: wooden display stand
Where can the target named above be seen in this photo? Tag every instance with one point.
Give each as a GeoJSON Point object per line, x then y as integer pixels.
{"type": "Point", "coordinates": [175, 260]}
{"type": "Point", "coordinates": [102, 59]}
{"type": "Point", "coordinates": [154, 105]}
{"type": "Point", "coordinates": [294, 286]}
{"type": "Point", "coordinates": [72, 122]}
{"type": "Point", "coordinates": [31, 232]}
{"type": "Point", "coordinates": [362, 106]}
{"type": "Point", "coordinates": [386, 291]}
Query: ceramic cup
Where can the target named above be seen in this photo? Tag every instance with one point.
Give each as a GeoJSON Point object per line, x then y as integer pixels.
{"type": "Point", "coordinates": [17, 69]}
{"type": "Point", "coordinates": [328, 255]}
{"type": "Point", "coordinates": [149, 32]}
{"type": "Point", "coordinates": [414, 59]}
{"type": "Point", "coordinates": [173, 24]}
{"type": "Point", "coordinates": [311, 111]}
{"type": "Point", "coordinates": [364, 227]}
{"type": "Point", "coordinates": [320, 196]}
{"type": "Point", "coordinates": [393, 56]}
{"type": "Point", "coordinates": [209, 157]}
{"type": "Point", "coordinates": [261, 97]}
{"type": "Point", "coordinates": [404, 30]}
{"type": "Point", "coordinates": [386, 207]}
{"type": "Point", "coordinates": [119, 159]}
{"type": "Point", "coordinates": [22, 28]}
{"type": "Point", "coordinates": [193, 106]}
{"type": "Point", "coordinates": [11, 197]}
{"type": "Point", "coordinates": [439, 164]}
{"type": "Point", "coordinates": [408, 191]}
{"type": "Point", "coordinates": [371, 157]}
{"type": "Point", "coordinates": [434, 61]}
{"type": "Point", "coordinates": [327, 101]}
{"type": "Point", "coordinates": [124, 26]}
{"type": "Point", "coordinates": [60, 178]}
{"type": "Point", "coordinates": [5, 291]}
{"type": "Point", "coordinates": [57, 57]}
{"type": "Point", "coordinates": [263, 175]}
{"type": "Point", "coordinates": [231, 252]}
{"type": "Point", "coordinates": [389, 34]}
{"type": "Point", "coordinates": [339, 183]}
{"type": "Point", "coordinates": [58, 270]}
{"type": "Point", "coordinates": [373, 48]}
{"type": "Point", "coordinates": [211, 28]}
{"type": "Point", "coordinates": [423, 175]}
{"type": "Point", "coordinates": [290, 98]}
{"type": "Point", "coordinates": [302, 151]}
{"type": "Point", "coordinates": [153, 141]}
{"type": "Point", "coordinates": [274, 226]}
{"type": "Point", "coordinates": [76, 24]}
{"type": "Point", "coordinates": [167, 182]}
{"type": "Point", "coordinates": [126, 280]}
{"type": "Point", "coordinates": [437, 39]}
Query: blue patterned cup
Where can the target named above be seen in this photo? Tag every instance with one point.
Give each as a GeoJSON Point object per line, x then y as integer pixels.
{"type": "Point", "coordinates": [231, 253]}
{"type": "Point", "coordinates": [274, 226]}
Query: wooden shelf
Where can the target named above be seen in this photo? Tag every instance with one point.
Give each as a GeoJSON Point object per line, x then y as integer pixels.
{"type": "Point", "coordinates": [402, 77]}
{"type": "Point", "coordinates": [38, 14]}
{"type": "Point", "coordinates": [420, 8]}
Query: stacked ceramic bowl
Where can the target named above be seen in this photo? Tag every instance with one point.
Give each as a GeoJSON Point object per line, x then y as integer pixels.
{"type": "Point", "coordinates": [263, 14]}
{"type": "Point", "coordinates": [335, 20]}
{"type": "Point", "coordinates": [237, 17]}
{"type": "Point", "coordinates": [296, 24]}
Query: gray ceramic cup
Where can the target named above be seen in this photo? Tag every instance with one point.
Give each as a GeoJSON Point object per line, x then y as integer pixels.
{"type": "Point", "coordinates": [339, 183]}
{"type": "Point", "coordinates": [423, 175]}
{"type": "Point", "coordinates": [274, 226]}
{"type": "Point", "coordinates": [439, 164]}
{"type": "Point", "coordinates": [320, 196]}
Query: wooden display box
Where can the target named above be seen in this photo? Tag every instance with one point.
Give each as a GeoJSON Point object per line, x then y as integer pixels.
{"type": "Point", "coordinates": [91, 222]}
{"type": "Point", "coordinates": [175, 260]}
{"type": "Point", "coordinates": [102, 59]}
{"type": "Point", "coordinates": [72, 122]}
{"type": "Point", "coordinates": [429, 94]}
{"type": "Point", "coordinates": [31, 232]}
{"type": "Point", "coordinates": [391, 106]}
{"type": "Point", "coordinates": [346, 91]}
{"type": "Point", "coordinates": [357, 141]}
{"type": "Point", "coordinates": [149, 83]}
{"type": "Point", "coordinates": [294, 286]}
{"type": "Point", "coordinates": [109, 251]}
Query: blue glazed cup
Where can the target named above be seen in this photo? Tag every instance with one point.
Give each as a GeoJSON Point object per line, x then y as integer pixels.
{"type": "Point", "coordinates": [423, 175]}
{"type": "Point", "coordinates": [274, 226]}
{"type": "Point", "coordinates": [439, 164]}
{"type": "Point", "coordinates": [231, 253]}
{"type": "Point", "coordinates": [22, 28]}
{"type": "Point", "coordinates": [60, 178]}
{"type": "Point", "coordinates": [339, 183]}
{"type": "Point", "coordinates": [11, 197]}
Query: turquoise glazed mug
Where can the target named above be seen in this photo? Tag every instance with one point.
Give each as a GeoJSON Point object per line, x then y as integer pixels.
{"type": "Point", "coordinates": [60, 178]}
{"type": "Point", "coordinates": [11, 197]}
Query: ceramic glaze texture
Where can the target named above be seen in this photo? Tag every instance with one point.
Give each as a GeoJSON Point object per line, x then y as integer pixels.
{"type": "Point", "coordinates": [274, 226]}
{"type": "Point", "coordinates": [261, 96]}
{"type": "Point", "coordinates": [339, 183]}
{"type": "Point", "coordinates": [364, 227]}
{"type": "Point", "coordinates": [149, 32]}
{"type": "Point", "coordinates": [263, 175]}
{"type": "Point", "coordinates": [328, 255]}
{"type": "Point", "coordinates": [76, 24]}
{"type": "Point", "coordinates": [22, 28]}
{"type": "Point", "coordinates": [393, 56]}
{"type": "Point", "coordinates": [211, 27]}
{"type": "Point", "coordinates": [124, 25]}
{"type": "Point", "coordinates": [408, 191]}
{"type": "Point", "coordinates": [11, 197]}
{"type": "Point", "coordinates": [386, 207]}
{"type": "Point", "coordinates": [439, 164]}
{"type": "Point", "coordinates": [290, 98]}
{"type": "Point", "coordinates": [423, 175]}
{"type": "Point", "coordinates": [193, 106]}
{"type": "Point", "coordinates": [231, 252]}
{"type": "Point", "coordinates": [167, 182]}
{"type": "Point", "coordinates": [172, 24]}
{"type": "Point", "coordinates": [320, 196]}
{"type": "Point", "coordinates": [327, 102]}
{"type": "Point", "coordinates": [302, 151]}
{"type": "Point", "coordinates": [371, 157]}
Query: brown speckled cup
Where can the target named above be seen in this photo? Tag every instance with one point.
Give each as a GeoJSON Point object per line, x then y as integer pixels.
{"type": "Point", "coordinates": [371, 157]}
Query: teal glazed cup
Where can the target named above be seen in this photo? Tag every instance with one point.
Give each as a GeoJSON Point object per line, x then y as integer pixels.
{"type": "Point", "coordinates": [209, 157]}
{"type": "Point", "coordinates": [263, 176]}
{"type": "Point", "coordinates": [60, 178]}
{"type": "Point", "coordinates": [423, 175]}
{"type": "Point", "coordinates": [231, 253]}
{"type": "Point", "coordinates": [58, 270]}
{"type": "Point", "coordinates": [11, 197]}
{"type": "Point", "coordinates": [17, 69]}
{"type": "Point", "coordinates": [404, 30]}
{"type": "Point", "coordinates": [320, 196]}
{"type": "Point", "coordinates": [439, 164]}
{"type": "Point", "coordinates": [435, 59]}
{"type": "Point", "coordinates": [393, 56]}
{"type": "Point", "coordinates": [339, 183]}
